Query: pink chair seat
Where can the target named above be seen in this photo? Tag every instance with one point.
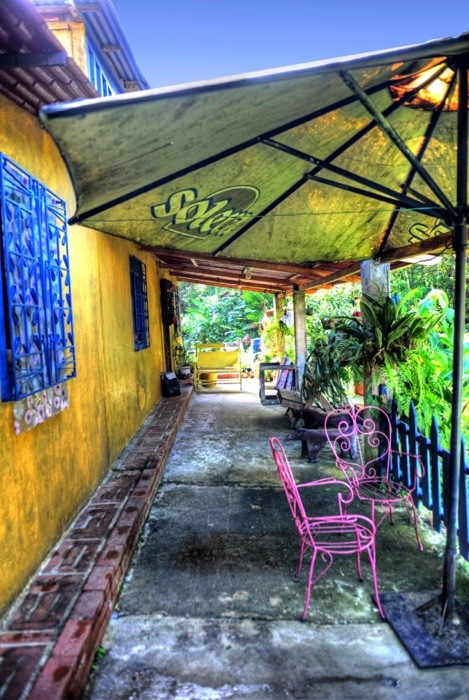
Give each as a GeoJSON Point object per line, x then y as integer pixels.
{"type": "Point", "coordinates": [382, 490]}
{"type": "Point", "coordinates": [347, 534]}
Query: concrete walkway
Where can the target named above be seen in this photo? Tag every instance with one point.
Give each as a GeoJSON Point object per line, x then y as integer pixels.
{"type": "Point", "coordinates": [209, 610]}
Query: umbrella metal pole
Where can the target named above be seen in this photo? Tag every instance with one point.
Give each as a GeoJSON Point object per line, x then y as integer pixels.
{"type": "Point", "coordinates": [460, 247]}
{"type": "Point", "coordinates": [450, 559]}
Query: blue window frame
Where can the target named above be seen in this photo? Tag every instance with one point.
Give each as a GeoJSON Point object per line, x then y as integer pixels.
{"type": "Point", "coordinates": [97, 76]}
{"type": "Point", "coordinates": [36, 326]}
{"type": "Point", "coordinates": [138, 288]}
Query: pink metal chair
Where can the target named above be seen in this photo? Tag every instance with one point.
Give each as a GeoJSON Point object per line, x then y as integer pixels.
{"type": "Point", "coordinates": [327, 535]}
{"type": "Point", "coordinates": [368, 429]}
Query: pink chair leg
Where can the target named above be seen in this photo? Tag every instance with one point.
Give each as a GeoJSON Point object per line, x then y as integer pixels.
{"type": "Point", "coordinates": [359, 567]}
{"type": "Point", "coordinates": [415, 519]}
{"type": "Point", "coordinates": [308, 589]}
{"type": "Point", "coordinates": [372, 558]}
{"type": "Point", "coordinates": [300, 561]}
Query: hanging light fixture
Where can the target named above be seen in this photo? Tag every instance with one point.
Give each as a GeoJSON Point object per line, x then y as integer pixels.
{"type": "Point", "coordinates": [422, 259]}
{"type": "Point", "coordinates": [428, 89]}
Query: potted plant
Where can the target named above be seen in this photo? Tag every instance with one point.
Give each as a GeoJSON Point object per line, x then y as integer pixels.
{"type": "Point", "coordinates": [381, 335]}
{"type": "Point", "coordinates": [182, 358]}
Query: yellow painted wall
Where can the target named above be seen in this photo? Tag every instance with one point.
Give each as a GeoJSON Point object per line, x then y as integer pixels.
{"type": "Point", "coordinates": [72, 36]}
{"type": "Point", "coordinates": [47, 473]}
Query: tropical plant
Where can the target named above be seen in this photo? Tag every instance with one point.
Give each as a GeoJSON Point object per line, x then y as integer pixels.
{"type": "Point", "coordinates": [329, 366]}
{"type": "Point", "coordinates": [217, 315]}
{"type": "Point", "coordinates": [326, 303]}
{"type": "Point", "coordinates": [182, 355]}
{"type": "Point", "coordinates": [384, 335]}
{"type": "Point", "coordinates": [426, 378]}
{"type": "Point", "coordinates": [269, 337]}
{"type": "Point", "coordinates": [427, 278]}
{"type": "Point", "coordinates": [386, 330]}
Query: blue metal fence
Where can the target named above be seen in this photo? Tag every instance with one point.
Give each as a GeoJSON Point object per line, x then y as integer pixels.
{"type": "Point", "coordinates": [434, 487]}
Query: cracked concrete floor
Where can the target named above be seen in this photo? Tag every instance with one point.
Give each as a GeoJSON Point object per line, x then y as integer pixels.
{"type": "Point", "coordinates": [209, 609]}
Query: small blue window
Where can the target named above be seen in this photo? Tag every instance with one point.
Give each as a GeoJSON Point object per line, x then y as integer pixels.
{"type": "Point", "coordinates": [36, 327]}
{"type": "Point", "coordinates": [96, 74]}
{"type": "Point", "coordinates": [138, 287]}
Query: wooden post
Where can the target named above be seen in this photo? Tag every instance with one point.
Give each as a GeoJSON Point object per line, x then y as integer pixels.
{"type": "Point", "coordinates": [278, 309]}
{"type": "Point", "coordinates": [375, 280]}
{"type": "Point", "coordinates": [299, 314]}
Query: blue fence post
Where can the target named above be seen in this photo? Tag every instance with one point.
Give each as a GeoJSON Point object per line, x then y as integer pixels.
{"type": "Point", "coordinates": [412, 445]}
{"type": "Point", "coordinates": [436, 484]}
{"type": "Point", "coordinates": [464, 505]}
{"type": "Point", "coordinates": [395, 467]}
{"type": "Point", "coordinates": [433, 488]}
{"type": "Point", "coordinates": [424, 490]}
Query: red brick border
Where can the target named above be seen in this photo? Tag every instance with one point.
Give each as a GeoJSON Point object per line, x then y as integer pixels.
{"type": "Point", "coordinates": [48, 641]}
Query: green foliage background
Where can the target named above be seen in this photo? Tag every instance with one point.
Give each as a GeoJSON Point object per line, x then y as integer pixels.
{"type": "Point", "coordinates": [218, 315]}
{"type": "Point", "coordinates": [215, 314]}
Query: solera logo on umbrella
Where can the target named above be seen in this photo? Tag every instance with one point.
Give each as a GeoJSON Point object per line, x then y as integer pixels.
{"type": "Point", "coordinates": [420, 231]}
{"type": "Point", "coordinates": [214, 215]}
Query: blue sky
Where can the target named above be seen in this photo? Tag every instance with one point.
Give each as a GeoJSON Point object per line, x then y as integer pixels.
{"type": "Point", "coordinates": [182, 41]}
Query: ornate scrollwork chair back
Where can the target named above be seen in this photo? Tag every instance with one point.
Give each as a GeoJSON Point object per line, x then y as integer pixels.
{"type": "Point", "coordinates": [368, 430]}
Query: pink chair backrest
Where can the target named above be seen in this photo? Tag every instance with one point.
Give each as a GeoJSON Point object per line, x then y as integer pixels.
{"type": "Point", "coordinates": [368, 430]}
{"type": "Point", "coordinates": [289, 485]}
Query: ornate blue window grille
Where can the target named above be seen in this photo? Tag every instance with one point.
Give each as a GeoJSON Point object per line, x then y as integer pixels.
{"type": "Point", "coordinates": [36, 327]}
{"type": "Point", "coordinates": [138, 287]}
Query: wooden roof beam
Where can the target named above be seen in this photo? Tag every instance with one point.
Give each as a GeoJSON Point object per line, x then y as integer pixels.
{"type": "Point", "coordinates": [340, 275]}
{"type": "Point", "coordinates": [255, 264]}
{"type": "Point", "coordinates": [234, 280]}
{"type": "Point", "coordinates": [246, 286]}
{"type": "Point", "coordinates": [436, 244]}
{"type": "Point", "coordinates": [223, 274]}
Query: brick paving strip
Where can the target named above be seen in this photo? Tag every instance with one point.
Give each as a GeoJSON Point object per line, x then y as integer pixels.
{"type": "Point", "coordinates": [49, 639]}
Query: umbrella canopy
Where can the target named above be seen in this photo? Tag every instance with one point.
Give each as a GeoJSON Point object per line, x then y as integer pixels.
{"type": "Point", "coordinates": [309, 166]}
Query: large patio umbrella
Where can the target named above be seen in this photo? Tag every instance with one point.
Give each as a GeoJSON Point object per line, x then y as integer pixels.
{"type": "Point", "coordinates": [344, 160]}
